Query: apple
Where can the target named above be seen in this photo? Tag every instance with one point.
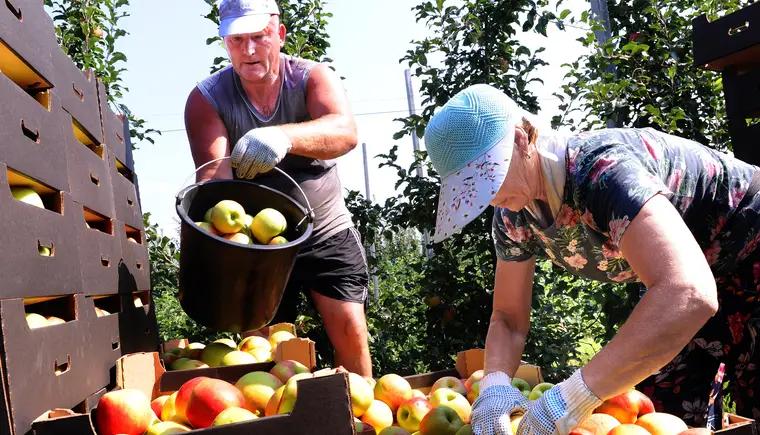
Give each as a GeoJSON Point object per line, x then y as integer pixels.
{"type": "Point", "coordinates": [44, 251]}
{"type": "Point", "coordinates": [393, 390]}
{"type": "Point", "coordinates": [432, 300]}
{"type": "Point", "coordinates": [52, 320]}
{"type": "Point", "coordinates": [539, 390]}
{"type": "Point", "coordinates": [290, 393]}
{"type": "Point", "coordinates": [208, 399]}
{"type": "Point", "coordinates": [169, 410]}
{"type": "Point", "coordinates": [208, 227]}
{"type": "Point", "coordinates": [474, 392]}
{"type": "Point", "coordinates": [247, 220]}
{"type": "Point", "coordinates": [194, 350]}
{"type": "Point", "coordinates": [167, 428]}
{"type": "Point", "coordinates": [475, 377]}
{"type": "Point", "coordinates": [182, 396]}
{"type": "Point", "coordinates": [227, 341]}
{"type": "Point", "coordinates": [279, 240]}
{"type": "Point", "coordinates": [177, 351]}
{"type": "Point", "coordinates": [254, 342]}
{"type": "Point", "coordinates": [371, 381]}
{"type": "Point", "coordinates": [284, 370]}
{"type": "Point", "coordinates": [418, 393]}
{"type": "Point", "coordinates": [661, 423]}
{"type": "Point", "coordinates": [596, 424]}
{"type": "Point", "coordinates": [214, 352]}
{"type": "Point", "coordinates": [35, 320]}
{"type": "Point", "coordinates": [394, 430]}
{"type": "Point", "coordinates": [362, 427]}
{"type": "Point", "coordinates": [411, 413]}
{"type": "Point", "coordinates": [207, 215]}
{"type": "Point", "coordinates": [697, 431]}
{"type": "Point", "coordinates": [178, 363]}
{"type": "Point", "coordinates": [274, 402]}
{"type": "Point", "coordinates": [137, 301]}
{"type": "Point", "coordinates": [465, 430]}
{"type": "Point", "coordinates": [627, 407]}
{"type": "Point", "coordinates": [27, 195]}
{"type": "Point", "coordinates": [515, 420]}
{"type": "Point", "coordinates": [361, 394]}
{"type": "Point", "coordinates": [158, 403]}
{"type": "Point", "coordinates": [268, 224]}
{"type": "Point", "coordinates": [627, 429]}
{"type": "Point", "coordinates": [241, 238]}
{"type": "Point", "coordinates": [379, 415]}
{"type": "Point", "coordinates": [168, 359]}
{"type": "Point", "coordinates": [261, 355]}
{"type": "Point", "coordinates": [126, 411]}
{"type": "Point", "coordinates": [190, 364]}
{"type": "Point", "coordinates": [258, 388]}
{"type": "Point", "coordinates": [521, 385]}
{"type": "Point", "coordinates": [227, 216]}
{"type": "Point", "coordinates": [237, 357]}
{"type": "Point", "coordinates": [454, 400]}
{"type": "Point", "coordinates": [441, 421]}
{"type": "Point", "coordinates": [280, 336]}
{"type": "Point", "coordinates": [233, 415]}
{"type": "Point", "coordinates": [450, 382]}
{"type": "Point", "coordinates": [132, 239]}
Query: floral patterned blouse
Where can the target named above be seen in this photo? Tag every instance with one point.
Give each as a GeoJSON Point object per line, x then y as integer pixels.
{"type": "Point", "coordinates": [610, 174]}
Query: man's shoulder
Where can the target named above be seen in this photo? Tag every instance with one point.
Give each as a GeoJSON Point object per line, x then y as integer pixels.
{"type": "Point", "coordinates": [217, 78]}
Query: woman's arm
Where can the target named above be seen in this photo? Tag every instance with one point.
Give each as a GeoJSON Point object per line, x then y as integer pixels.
{"type": "Point", "coordinates": [681, 296]}
{"type": "Point", "coordinates": [510, 319]}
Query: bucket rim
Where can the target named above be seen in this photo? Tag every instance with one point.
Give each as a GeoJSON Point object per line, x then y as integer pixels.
{"type": "Point", "coordinates": [185, 219]}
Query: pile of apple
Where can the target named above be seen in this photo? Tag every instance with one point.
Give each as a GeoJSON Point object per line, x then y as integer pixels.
{"type": "Point", "coordinates": [229, 219]}
{"type": "Point", "coordinates": [225, 352]}
{"type": "Point", "coordinates": [633, 413]}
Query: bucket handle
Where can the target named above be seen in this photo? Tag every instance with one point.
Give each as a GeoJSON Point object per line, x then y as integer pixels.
{"type": "Point", "coordinates": [309, 212]}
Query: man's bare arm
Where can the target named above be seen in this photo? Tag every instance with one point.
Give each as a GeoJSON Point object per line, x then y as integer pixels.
{"type": "Point", "coordinates": [208, 138]}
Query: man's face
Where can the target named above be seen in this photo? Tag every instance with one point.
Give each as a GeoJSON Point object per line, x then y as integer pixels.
{"type": "Point", "coordinates": [254, 55]}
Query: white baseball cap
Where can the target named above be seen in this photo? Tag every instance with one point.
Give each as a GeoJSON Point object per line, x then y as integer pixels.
{"type": "Point", "coordinates": [245, 16]}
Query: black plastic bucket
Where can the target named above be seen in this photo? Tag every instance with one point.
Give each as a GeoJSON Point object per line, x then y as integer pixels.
{"type": "Point", "coordinates": [228, 286]}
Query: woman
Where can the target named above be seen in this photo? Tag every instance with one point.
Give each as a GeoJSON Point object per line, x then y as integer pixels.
{"type": "Point", "coordinates": [616, 205]}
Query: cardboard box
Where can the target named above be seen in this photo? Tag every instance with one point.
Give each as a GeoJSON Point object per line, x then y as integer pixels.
{"type": "Point", "coordinates": [27, 37]}
{"type": "Point", "coordinates": [729, 41]}
{"type": "Point", "coordinates": [742, 94]}
{"type": "Point", "coordinates": [29, 232]}
{"type": "Point", "coordinates": [737, 425]}
{"type": "Point", "coordinates": [138, 326]}
{"type": "Point", "coordinates": [79, 96]}
{"type": "Point", "coordinates": [115, 130]}
{"type": "Point", "coordinates": [99, 251]}
{"type": "Point", "coordinates": [126, 203]}
{"type": "Point", "coordinates": [134, 272]}
{"type": "Point", "coordinates": [30, 136]}
{"type": "Point", "coordinates": [55, 366]}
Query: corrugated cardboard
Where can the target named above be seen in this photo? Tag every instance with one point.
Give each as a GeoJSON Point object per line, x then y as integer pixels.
{"type": "Point", "coordinates": [79, 96]}
{"type": "Point", "coordinates": [99, 251]}
{"type": "Point", "coordinates": [27, 37]}
{"type": "Point", "coordinates": [297, 349]}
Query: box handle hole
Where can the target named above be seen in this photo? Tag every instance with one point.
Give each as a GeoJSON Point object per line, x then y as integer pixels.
{"type": "Point", "coordinates": [94, 178]}
{"type": "Point", "coordinates": [105, 261]}
{"type": "Point", "coordinates": [736, 30]}
{"type": "Point", "coordinates": [130, 202]}
{"type": "Point", "coordinates": [139, 265]}
{"type": "Point", "coordinates": [121, 139]}
{"type": "Point", "coordinates": [15, 11]}
{"type": "Point", "coordinates": [78, 93]}
{"type": "Point", "coordinates": [63, 368]}
{"type": "Point", "coordinates": [33, 135]}
{"type": "Point", "coordinates": [45, 251]}
{"type": "Point", "coordinates": [115, 345]}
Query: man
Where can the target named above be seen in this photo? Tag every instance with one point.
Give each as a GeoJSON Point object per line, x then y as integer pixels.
{"type": "Point", "coordinates": [269, 109]}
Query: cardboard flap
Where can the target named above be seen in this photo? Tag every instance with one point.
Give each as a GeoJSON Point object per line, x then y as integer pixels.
{"type": "Point", "coordinates": [297, 349]}
{"type": "Point", "coordinates": [139, 370]}
{"type": "Point", "coordinates": [288, 327]}
{"type": "Point", "coordinates": [470, 361]}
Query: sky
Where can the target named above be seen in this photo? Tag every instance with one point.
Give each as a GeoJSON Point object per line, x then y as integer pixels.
{"type": "Point", "coordinates": [167, 56]}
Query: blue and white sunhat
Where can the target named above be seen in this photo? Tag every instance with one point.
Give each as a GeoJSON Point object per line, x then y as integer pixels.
{"type": "Point", "coordinates": [245, 16]}
{"type": "Point", "coordinates": [469, 142]}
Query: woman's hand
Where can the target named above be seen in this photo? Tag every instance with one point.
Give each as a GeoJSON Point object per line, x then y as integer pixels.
{"type": "Point", "coordinates": [497, 401]}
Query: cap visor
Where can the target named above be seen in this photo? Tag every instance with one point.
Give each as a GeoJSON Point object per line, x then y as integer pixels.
{"type": "Point", "coordinates": [465, 194]}
{"type": "Point", "coordinates": [242, 25]}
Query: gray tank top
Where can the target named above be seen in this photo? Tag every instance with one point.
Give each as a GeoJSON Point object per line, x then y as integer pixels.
{"type": "Point", "coordinates": [318, 178]}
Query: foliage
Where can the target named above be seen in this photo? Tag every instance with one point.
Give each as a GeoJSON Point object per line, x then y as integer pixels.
{"type": "Point", "coordinates": [644, 75]}
{"type": "Point", "coordinates": [88, 31]}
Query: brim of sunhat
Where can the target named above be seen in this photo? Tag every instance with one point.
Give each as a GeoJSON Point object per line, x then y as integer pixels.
{"type": "Point", "coordinates": [246, 24]}
{"type": "Point", "coordinates": [466, 193]}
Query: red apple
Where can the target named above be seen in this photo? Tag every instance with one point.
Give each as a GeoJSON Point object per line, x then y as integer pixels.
{"type": "Point", "coordinates": [284, 370]}
{"type": "Point", "coordinates": [180, 401]}
{"type": "Point", "coordinates": [258, 388]}
{"type": "Point", "coordinates": [627, 407]}
{"type": "Point", "coordinates": [596, 424]}
{"type": "Point", "coordinates": [158, 403]}
{"type": "Point", "coordinates": [126, 411]}
{"type": "Point", "coordinates": [274, 402]}
{"type": "Point", "coordinates": [450, 382]}
{"type": "Point", "coordinates": [379, 415]}
{"type": "Point", "coordinates": [290, 393]}
{"type": "Point", "coordinates": [661, 423]}
{"type": "Point", "coordinates": [411, 413]}
{"type": "Point", "coordinates": [628, 429]}
{"type": "Point", "coordinates": [475, 377]}
{"type": "Point", "coordinates": [393, 390]}
{"type": "Point", "coordinates": [473, 392]}
{"type": "Point", "coordinates": [209, 398]}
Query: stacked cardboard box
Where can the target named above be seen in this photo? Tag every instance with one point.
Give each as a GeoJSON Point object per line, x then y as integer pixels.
{"type": "Point", "coordinates": [85, 249]}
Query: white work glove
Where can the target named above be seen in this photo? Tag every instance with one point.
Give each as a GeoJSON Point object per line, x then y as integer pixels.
{"type": "Point", "coordinates": [497, 401]}
{"type": "Point", "coordinates": [259, 151]}
{"type": "Point", "coordinates": [560, 409]}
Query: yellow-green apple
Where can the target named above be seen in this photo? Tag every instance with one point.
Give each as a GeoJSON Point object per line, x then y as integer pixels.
{"type": "Point", "coordinates": [27, 195]}
{"type": "Point", "coordinates": [522, 385]}
{"type": "Point", "coordinates": [450, 382]}
{"type": "Point", "coordinates": [418, 393]}
{"type": "Point", "coordinates": [274, 402]}
{"type": "Point", "coordinates": [393, 390]}
{"type": "Point", "coordinates": [233, 415]}
{"type": "Point", "coordinates": [284, 370]}
{"type": "Point", "coordinates": [628, 429]}
{"type": "Point", "coordinates": [454, 400]}
{"type": "Point", "coordinates": [280, 336]}
{"type": "Point", "coordinates": [371, 381]}
{"type": "Point", "coordinates": [261, 355]}
{"type": "Point", "coordinates": [182, 395]}
{"type": "Point", "coordinates": [661, 423]}
{"type": "Point", "coordinates": [35, 320]}
{"type": "Point", "coordinates": [210, 397]}
{"type": "Point", "coordinates": [227, 216]}
{"type": "Point", "coordinates": [52, 320]}
{"type": "Point", "coordinates": [515, 420]}
{"type": "Point", "coordinates": [214, 352]}
{"type": "Point", "coordinates": [169, 410]}
{"type": "Point", "coordinates": [394, 430]}
{"type": "Point", "coordinates": [177, 351]}
{"type": "Point", "coordinates": [379, 415]}
{"type": "Point", "coordinates": [190, 364]}
{"type": "Point", "coordinates": [476, 376]}
{"type": "Point", "coordinates": [167, 428]}
{"type": "Point", "coordinates": [237, 357]}
{"type": "Point", "coordinates": [168, 359]}
{"type": "Point", "coordinates": [441, 421]}
{"type": "Point", "coordinates": [153, 419]}
{"type": "Point", "coordinates": [267, 224]}
{"type": "Point", "coordinates": [194, 350]}
{"type": "Point", "coordinates": [290, 393]}
{"type": "Point", "coordinates": [158, 403]}
{"type": "Point", "coordinates": [228, 341]}
{"type": "Point", "coordinates": [474, 392]}
{"type": "Point", "coordinates": [258, 388]}
{"type": "Point", "coordinates": [207, 216]}
{"type": "Point", "coordinates": [539, 390]}
{"type": "Point", "coordinates": [137, 302]}
{"type": "Point", "coordinates": [178, 363]}
{"type": "Point", "coordinates": [44, 251]}
{"type": "Point", "coordinates": [596, 424]}
{"type": "Point", "coordinates": [247, 220]}
{"type": "Point", "coordinates": [465, 430]}
{"type": "Point", "coordinates": [361, 394]}
{"type": "Point", "coordinates": [254, 342]}
{"type": "Point", "coordinates": [411, 412]}
{"type": "Point", "coordinates": [627, 407]}
{"type": "Point", "coordinates": [279, 240]}
{"type": "Point", "coordinates": [124, 411]}
{"type": "Point", "coordinates": [208, 227]}
{"type": "Point", "coordinates": [241, 238]}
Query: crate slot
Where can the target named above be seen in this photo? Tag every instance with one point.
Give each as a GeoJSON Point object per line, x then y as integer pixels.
{"type": "Point", "coordinates": [28, 132]}
{"type": "Point", "coordinates": [63, 367]}
{"type": "Point", "coordinates": [124, 171]}
{"type": "Point", "coordinates": [20, 73]}
{"type": "Point", "coordinates": [106, 305]}
{"type": "Point", "coordinates": [115, 345]}
{"type": "Point", "coordinates": [141, 299]}
{"type": "Point", "coordinates": [85, 139]}
{"type": "Point", "coordinates": [45, 249]}
{"type": "Point", "coordinates": [15, 11]}
{"type": "Point", "coordinates": [55, 310]}
{"type": "Point", "coordinates": [105, 261]}
{"type": "Point", "coordinates": [77, 92]}
{"type": "Point", "coordinates": [134, 235]}
{"type": "Point", "coordinates": [52, 199]}
{"type": "Point", "coordinates": [98, 222]}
